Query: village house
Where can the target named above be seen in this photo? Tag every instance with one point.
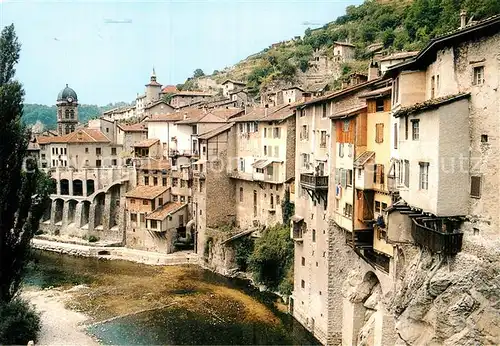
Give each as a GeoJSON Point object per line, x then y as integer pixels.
{"type": "Point", "coordinates": [121, 113]}
{"type": "Point", "coordinates": [189, 98]}
{"type": "Point", "coordinates": [262, 161]}
{"type": "Point", "coordinates": [444, 107]}
{"type": "Point", "coordinates": [157, 108]}
{"type": "Point", "coordinates": [393, 59]}
{"type": "Point", "coordinates": [343, 51]}
{"type": "Point", "coordinates": [230, 85]}
{"type": "Point", "coordinates": [127, 135]}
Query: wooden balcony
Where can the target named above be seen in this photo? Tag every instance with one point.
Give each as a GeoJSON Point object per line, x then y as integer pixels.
{"type": "Point", "coordinates": [314, 182]}
{"type": "Point", "coordinates": [448, 243]}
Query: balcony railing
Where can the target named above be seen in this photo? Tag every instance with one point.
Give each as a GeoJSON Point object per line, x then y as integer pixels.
{"type": "Point", "coordinates": [436, 241]}
{"type": "Point", "coordinates": [315, 182]}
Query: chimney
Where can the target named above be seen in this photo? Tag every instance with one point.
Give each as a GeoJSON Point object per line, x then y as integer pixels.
{"type": "Point", "coordinates": [373, 71]}
{"type": "Point", "coordinates": [463, 19]}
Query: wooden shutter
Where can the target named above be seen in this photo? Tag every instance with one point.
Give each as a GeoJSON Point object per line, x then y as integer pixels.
{"type": "Point", "coordinates": [343, 177]}
{"type": "Point", "coordinates": [475, 186]}
{"type": "Point", "coordinates": [379, 133]}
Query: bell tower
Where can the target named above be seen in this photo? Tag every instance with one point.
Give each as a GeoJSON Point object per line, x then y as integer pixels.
{"type": "Point", "coordinates": [67, 111]}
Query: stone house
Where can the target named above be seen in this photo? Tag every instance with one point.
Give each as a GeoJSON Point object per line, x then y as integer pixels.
{"type": "Point", "coordinates": [292, 94]}
{"type": "Point", "coordinates": [239, 97]}
{"type": "Point", "coordinates": [230, 85]}
{"type": "Point", "coordinates": [127, 135]}
{"type": "Point", "coordinates": [189, 98]}
{"type": "Point", "coordinates": [210, 178]}
{"type": "Point", "coordinates": [261, 162]}
{"type": "Point", "coordinates": [393, 59]}
{"type": "Point", "coordinates": [343, 51]}
{"type": "Point", "coordinates": [157, 108]}
{"type": "Point", "coordinates": [445, 105]}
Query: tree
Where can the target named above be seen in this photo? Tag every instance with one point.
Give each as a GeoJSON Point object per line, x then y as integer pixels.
{"type": "Point", "coordinates": [198, 73]}
{"type": "Point", "coordinates": [167, 97]}
{"type": "Point", "coordinates": [20, 208]}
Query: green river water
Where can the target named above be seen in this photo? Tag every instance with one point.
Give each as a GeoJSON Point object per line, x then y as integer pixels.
{"type": "Point", "coordinates": [135, 304]}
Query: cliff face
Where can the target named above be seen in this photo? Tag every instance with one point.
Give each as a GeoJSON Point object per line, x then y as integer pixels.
{"type": "Point", "coordinates": [451, 301]}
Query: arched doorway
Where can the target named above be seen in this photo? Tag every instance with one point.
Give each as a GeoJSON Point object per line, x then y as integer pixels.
{"type": "Point", "coordinates": [64, 186]}
{"type": "Point", "coordinates": [77, 187]}
{"type": "Point", "coordinates": [90, 187]}
{"type": "Point", "coordinates": [58, 216]}
{"type": "Point", "coordinates": [85, 214]}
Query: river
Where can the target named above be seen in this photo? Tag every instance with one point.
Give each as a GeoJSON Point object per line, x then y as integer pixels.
{"type": "Point", "coordinates": [136, 304]}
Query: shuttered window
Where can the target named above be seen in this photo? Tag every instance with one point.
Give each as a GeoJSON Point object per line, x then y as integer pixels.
{"type": "Point", "coordinates": [379, 133]}
{"type": "Point", "coordinates": [407, 173]}
{"type": "Point", "coordinates": [475, 186]}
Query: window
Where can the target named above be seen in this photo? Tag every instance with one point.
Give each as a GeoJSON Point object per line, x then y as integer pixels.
{"type": "Point", "coordinates": [348, 210]}
{"type": "Point", "coordinates": [133, 217]}
{"type": "Point", "coordinates": [395, 136]}
{"type": "Point", "coordinates": [175, 198]}
{"type": "Point", "coordinates": [278, 200]}
{"type": "Point", "coordinates": [303, 261]}
{"type": "Point", "coordinates": [478, 75]}
{"type": "Point", "coordinates": [349, 177]}
{"type": "Point", "coordinates": [377, 206]}
{"type": "Point", "coordinates": [154, 224]}
{"type": "Point", "coordinates": [424, 175]}
{"type": "Point", "coordinates": [304, 134]}
{"type": "Point", "coordinates": [265, 132]}
{"type": "Point", "coordinates": [183, 183]}
{"type": "Point", "coordinates": [407, 173]}
{"type": "Point", "coordinates": [43, 156]}
{"type": "Point", "coordinates": [242, 165]}
{"type": "Point", "coordinates": [98, 163]}
{"type": "Point", "coordinates": [65, 151]}
{"type": "Point", "coordinates": [265, 150]}
{"type": "Point", "coordinates": [113, 151]}
{"type": "Point", "coordinates": [395, 91]}
{"type": "Point", "coordinates": [314, 236]}
{"type": "Point", "coordinates": [271, 201]}
{"type": "Point", "coordinates": [183, 199]}
{"type": "Point", "coordinates": [98, 151]}
{"type": "Point", "coordinates": [322, 143]}
{"type": "Point", "coordinates": [241, 194]}
{"type": "Point", "coordinates": [305, 160]}
{"type": "Point", "coordinates": [181, 220]}
{"type": "Point", "coordinates": [406, 127]}
{"type": "Point", "coordinates": [201, 186]}
{"type": "Point", "coordinates": [415, 129]}
{"type": "Point", "coordinates": [379, 133]}
{"type": "Point", "coordinates": [345, 127]}
{"type": "Point", "coordinates": [160, 201]}
{"type": "Point", "coordinates": [484, 139]}
{"type": "Point", "coordinates": [324, 110]}
{"type": "Point", "coordinates": [114, 162]}
{"type": "Point", "coordinates": [378, 174]}
{"type": "Point", "coordinates": [277, 132]}
{"type": "Point", "coordinates": [276, 151]}
{"type": "Point", "coordinates": [155, 181]}
{"type": "Point", "coordinates": [175, 182]}
{"type": "Point", "coordinates": [86, 150]}
{"type": "Point", "coordinates": [164, 181]}
{"type": "Point", "coordinates": [270, 171]}
{"type": "Point", "coordinates": [57, 151]}
{"type": "Point", "coordinates": [341, 149]}
{"type": "Point", "coordinates": [437, 83]}
{"type": "Point", "coordinates": [142, 218]}
{"type": "Point", "coordinates": [475, 186]}
{"type": "Point", "coordinates": [433, 87]}
{"type": "Point", "coordinates": [302, 284]}
{"type": "Point", "coordinates": [379, 105]}
{"type": "Point", "coordinates": [146, 180]}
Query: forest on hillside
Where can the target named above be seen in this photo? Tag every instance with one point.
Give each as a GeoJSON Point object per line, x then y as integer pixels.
{"type": "Point", "coordinates": [398, 25]}
{"type": "Point", "coordinates": [47, 114]}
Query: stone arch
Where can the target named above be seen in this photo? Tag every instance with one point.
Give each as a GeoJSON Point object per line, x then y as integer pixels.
{"type": "Point", "coordinates": [58, 212]}
{"type": "Point", "coordinates": [77, 187]}
{"type": "Point", "coordinates": [90, 187]}
{"type": "Point", "coordinates": [85, 214]}
{"type": "Point", "coordinates": [64, 183]}
{"type": "Point", "coordinates": [71, 210]}
{"type": "Point", "coordinates": [99, 201]}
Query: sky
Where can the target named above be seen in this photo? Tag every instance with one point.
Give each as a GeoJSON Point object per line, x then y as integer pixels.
{"type": "Point", "coordinates": [106, 50]}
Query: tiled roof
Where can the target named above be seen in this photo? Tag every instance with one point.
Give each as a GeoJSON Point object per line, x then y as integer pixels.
{"type": "Point", "coordinates": [83, 135]}
{"type": "Point", "coordinates": [339, 93]}
{"type": "Point", "coordinates": [400, 55]}
{"type": "Point", "coordinates": [280, 114]}
{"type": "Point", "coordinates": [215, 132]}
{"type": "Point", "coordinates": [233, 81]}
{"type": "Point", "coordinates": [259, 113]}
{"type": "Point", "coordinates": [293, 87]}
{"type": "Point", "coordinates": [429, 104]}
{"type": "Point", "coordinates": [162, 212]}
{"type": "Point", "coordinates": [377, 92]}
{"type": "Point", "coordinates": [138, 127]}
{"type": "Point", "coordinates": [146, 192]}
{"type": "Point", "coordinates": [192, 93]}
{"type": "Point", "coordinates": [182, 114]}
{"type": "Point", "coordinates": [362, 159]}
{"type": "Point", "coordinates": [169, 89]}
{"type": "Point", "coordinates": [227, 113]}
{"type": "Point", "coordinates": [344, 44]}
{"type": "Point", "coordinates": [153, 83]}
{"type": "Point", "coordinates": [157, 103]}
{"type": "Point", "coordinates": [146, 143]}
{"type": "Point", "coordinates": [32, 146]}
{"type": "Point", "coordinates": [348, 112]}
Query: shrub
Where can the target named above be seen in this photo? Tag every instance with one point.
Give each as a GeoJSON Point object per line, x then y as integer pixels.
{"type": "Point", "coordinates": [243, 251]}
{"type": "Point", "coordinates": [19, 323]}
{"type": "Point", "coordinates": [93, 239]}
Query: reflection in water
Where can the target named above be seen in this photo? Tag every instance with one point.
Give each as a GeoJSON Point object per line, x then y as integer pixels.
{"type": "Point", "coordinates": [184, 304]}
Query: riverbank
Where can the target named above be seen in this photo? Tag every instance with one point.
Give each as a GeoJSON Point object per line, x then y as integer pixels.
{"type": "Point", "coordinates": [115, 252]}
{"type": "Point", "coordinates": [59, 325]}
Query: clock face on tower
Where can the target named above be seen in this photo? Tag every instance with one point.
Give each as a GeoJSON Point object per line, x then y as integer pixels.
{"type": "Point", "coordinates": [70, 99]}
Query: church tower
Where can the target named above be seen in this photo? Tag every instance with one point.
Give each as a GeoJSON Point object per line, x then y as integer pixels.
{"type": "Point", "coordinates": [153, 89]}
{"type": "Point", "coordinates": [67, 111]}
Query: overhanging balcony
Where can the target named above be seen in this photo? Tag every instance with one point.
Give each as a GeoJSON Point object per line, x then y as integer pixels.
{"type": "Point", "coordinates": [314, 182]}
{"type": "Point", "coordinates": [448, 243]}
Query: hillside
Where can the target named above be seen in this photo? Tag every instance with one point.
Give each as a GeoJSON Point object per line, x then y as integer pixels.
{"type": "Point", "coordinates": [47, 114]}
{"type": "Point", "coordinates": [396, 25]}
